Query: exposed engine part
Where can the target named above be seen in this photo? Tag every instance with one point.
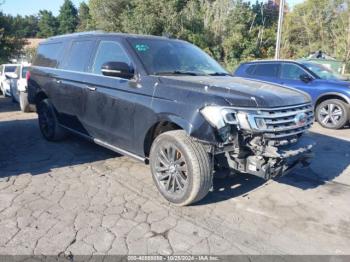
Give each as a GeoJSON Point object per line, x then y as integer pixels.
{"type": "Point", "coordinates": [257, 157]}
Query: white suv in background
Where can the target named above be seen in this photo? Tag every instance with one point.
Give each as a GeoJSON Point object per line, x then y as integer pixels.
{"type": "Point", "coordinates": [7, 71]}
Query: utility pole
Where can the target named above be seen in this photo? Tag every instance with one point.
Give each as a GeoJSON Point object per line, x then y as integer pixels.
{"type": "Point", "coordinates": [279, 30]}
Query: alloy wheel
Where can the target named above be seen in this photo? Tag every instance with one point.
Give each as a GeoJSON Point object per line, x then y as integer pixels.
{"type": "Point", "coordinates": [330, 114]}
{"type": "Point", "coordinates": [171, 170]}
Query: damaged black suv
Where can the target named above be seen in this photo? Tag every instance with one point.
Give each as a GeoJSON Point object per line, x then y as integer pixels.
{"type": "Point", "coordinates": [169, 104]}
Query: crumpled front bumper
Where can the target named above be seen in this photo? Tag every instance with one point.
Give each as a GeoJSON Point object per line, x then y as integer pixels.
{"type": "Point", "coordinates": [276, 161]}
{"type": "Point", "coordinates": [302, 146]}
{"type": "Point", "coordinates": [291, 156]}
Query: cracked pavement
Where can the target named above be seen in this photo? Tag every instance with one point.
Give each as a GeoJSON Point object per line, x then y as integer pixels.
{"type": "Point", "coordinates": [77, 198]}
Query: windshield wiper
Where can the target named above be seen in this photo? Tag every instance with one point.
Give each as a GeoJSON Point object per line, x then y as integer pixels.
{"type": "Point", "coordinates": [220, 74]}
{"type": "Point", "coordinates": [176, 72]}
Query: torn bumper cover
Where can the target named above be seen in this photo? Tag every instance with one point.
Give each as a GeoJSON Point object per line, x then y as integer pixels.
{"type": "Point", "coordinates": [275, 161]}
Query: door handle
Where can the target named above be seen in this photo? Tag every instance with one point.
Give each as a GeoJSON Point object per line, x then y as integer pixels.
{"type": "Point", "coordinates": [91, 88]}
{"type": "Point", "coordinates": [58, 81]}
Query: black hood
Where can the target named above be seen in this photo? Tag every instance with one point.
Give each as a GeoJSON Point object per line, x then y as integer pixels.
{"type": "Point", "coordinates": [241, 92]}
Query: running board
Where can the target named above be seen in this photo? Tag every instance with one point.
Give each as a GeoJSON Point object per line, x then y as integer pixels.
{"type": "Point", "coordinates": [106, 145]}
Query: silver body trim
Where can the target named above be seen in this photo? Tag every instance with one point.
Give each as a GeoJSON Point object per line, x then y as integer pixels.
{"type": "Point", "coordinates": [118, 150]}
{"type": "Point", "coordinates": [106, 145]}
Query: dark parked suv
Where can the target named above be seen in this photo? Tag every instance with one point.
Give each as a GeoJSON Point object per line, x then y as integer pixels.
{"type": "Point", "coordinates": [169, 104]}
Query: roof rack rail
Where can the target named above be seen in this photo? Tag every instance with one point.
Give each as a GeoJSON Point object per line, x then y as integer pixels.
{"type": "Point", "coordinates": [78, 34]}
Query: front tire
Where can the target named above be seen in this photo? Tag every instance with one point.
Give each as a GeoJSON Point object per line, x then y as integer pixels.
{"type": "Point", "coordinates": [332, 113]}
{"type": "Point", "coordinates": [181, 168]}
{"type": "Point", "coordinates": [48, 123]}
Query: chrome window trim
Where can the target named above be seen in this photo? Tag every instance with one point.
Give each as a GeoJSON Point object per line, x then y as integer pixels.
{"type": "Point", "coordinates": [77, 72]}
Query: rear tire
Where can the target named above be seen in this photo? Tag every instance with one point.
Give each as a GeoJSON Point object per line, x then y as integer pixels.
{"type": "Point", "coordinates": [48, 123]}
{"type": "Point", "coordinates": [181, 168]}
{"type": "Point", "coordinates": [23, 102]}
{"type": "Point", "coordinates": [332, 114]}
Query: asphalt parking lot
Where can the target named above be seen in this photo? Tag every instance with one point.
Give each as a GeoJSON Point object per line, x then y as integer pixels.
{"type": "Point", "coordinates": [77, 198]}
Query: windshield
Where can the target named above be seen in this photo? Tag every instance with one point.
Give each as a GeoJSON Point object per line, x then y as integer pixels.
{"type": "Point", "coordinates": [24, 72]}
{"type": "Point", "coordinates": [10, 69]}
{"type": "Point", "coordinates": [322, 71]}
{"type": "Point", "coordinates": [174, 57]}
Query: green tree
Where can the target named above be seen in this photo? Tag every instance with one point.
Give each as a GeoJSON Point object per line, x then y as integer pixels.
{"type": "Point", "coordinates": [10, 44]}
{"type": "Point", "coordinates": [84, 17]}
{"type": "Point", "coordinates": [318, 25]}
{"type": "Point", "coordinates": [26, 26]}
{"type": "Point", "coordinates": [67, 18]}
{"type": "Point", "coordinates": [230, 30]}
{"type": "Point", "coordinates": [48, 24]}
{"type": "Point", "coordinates": [108, 15]}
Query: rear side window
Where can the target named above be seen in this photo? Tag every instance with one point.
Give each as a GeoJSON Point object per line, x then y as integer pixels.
{"type": "Point", "coordinates": [266, 70]}
{"type": "Point", "coordinates": [78, 56]}
{"type": "Point", "coordinates": [250, 70]}
{"type": "Point", "coordinates": [48, 55]}
{"type": "Point", "coordinates": [109, 51]}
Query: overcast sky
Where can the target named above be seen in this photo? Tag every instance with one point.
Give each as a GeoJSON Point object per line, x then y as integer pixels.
{"type": "Point", "coordinates": [29, 7]}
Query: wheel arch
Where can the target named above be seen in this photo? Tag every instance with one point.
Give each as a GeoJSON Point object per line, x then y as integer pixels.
{"type": "Point", "coordinates": [39, 97]}
{"type": "Point", "coordinates": [332, 95]}
{"type": "Point", "coordinates": [163, 124]}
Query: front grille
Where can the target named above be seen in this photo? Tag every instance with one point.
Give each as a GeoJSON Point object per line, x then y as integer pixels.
{"type": "Point", "coordinates": [281, 122]}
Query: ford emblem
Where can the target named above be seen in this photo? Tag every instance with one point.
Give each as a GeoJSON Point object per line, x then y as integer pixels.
{"type": "Point", "coordinates": [300, 119]}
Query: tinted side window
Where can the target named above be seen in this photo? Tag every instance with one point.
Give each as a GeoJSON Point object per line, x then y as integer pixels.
{"type": "Point", "coordinates": [78, 56]}
{"type": "Point", "coordinates": [48, 54]}
{"type": "Point", "coordinates": [291, 72]}
{"type": "Point", "coordinates": [266, 70]}
{"type": "Point", "coordinates": [250, 70]}
{"type": "Point", "coordinates": [109, 51]}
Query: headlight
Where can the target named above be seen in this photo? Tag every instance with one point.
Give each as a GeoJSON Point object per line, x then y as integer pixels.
{"type": "Point", "coordinates": [219, 117]}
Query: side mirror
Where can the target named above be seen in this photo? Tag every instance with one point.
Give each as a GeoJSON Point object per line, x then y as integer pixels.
{"type": "Point", "coordinates": [305, 78]}
{"type": "Point", "coordinates": [117, 69]}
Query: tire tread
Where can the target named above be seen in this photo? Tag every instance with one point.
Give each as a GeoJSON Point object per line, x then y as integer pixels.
{"type": "Point", "coordinates": [200, 163]}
